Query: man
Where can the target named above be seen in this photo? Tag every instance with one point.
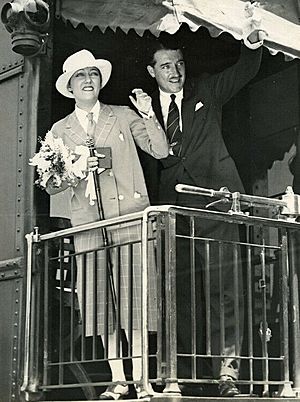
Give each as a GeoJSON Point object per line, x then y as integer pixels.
{"type": "Point", "coordinates": [191, 111]}
{"type": "Point", "coordinates": [123, 191]}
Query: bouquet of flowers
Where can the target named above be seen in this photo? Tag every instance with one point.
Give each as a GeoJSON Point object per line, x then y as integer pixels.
{"type": "Point", "coordinates": [54, 162]}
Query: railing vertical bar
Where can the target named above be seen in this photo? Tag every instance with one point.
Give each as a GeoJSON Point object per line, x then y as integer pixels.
{"type": "Point", "coordinates": [167, 259]}
{"type": "Point", "coordinates": [30, 238]}
{"type": "Point", "coordinates": [36, 296]}
{"type": "Point", "coordinates": [171, 316]}
{"type": "Point", "coordinates": [95, 304]}
{"type": "Point", "coordinates": [193, 298]}
{"type": "Point", "coordinates": [237, 292]}
{"type": "Point", "coordinates": [294, 286]}
{"type": "Point", "coordinates": [46, 312]}
{"type": "Point", "coordinates": [145, 301]}
{"type": "Point", "coordinates": [284, 308]}
{"type": "Point", "coordinates": [83, 313]}
{"type": "Point", "coordinates": [207, 296]}
{"type": "Point", "coordinates": [250, 309]}
{"type": "Point", "coordinates": [264, 324]}
{"type": "Point", "coordinates": [118, 300]}
{"type": "Point", "coordinates": [130, 298]}
{"type": "Point", "coordinates": [106, 304]}
{"type": "Point", "coordinates": [72, 321]}
{"type": "Point", "coordinates": [61, 310]}
{"type": "Point", "coordinates": [160, 298]}
{"type": "Point", "coordinates": [221, 298]}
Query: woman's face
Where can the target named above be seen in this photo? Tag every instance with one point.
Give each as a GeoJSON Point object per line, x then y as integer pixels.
{"type": "Point", "coordinates": [85, 84]}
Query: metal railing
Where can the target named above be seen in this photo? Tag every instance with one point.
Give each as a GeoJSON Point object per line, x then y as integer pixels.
{"type": "Point", "coordinates": [263, 264]}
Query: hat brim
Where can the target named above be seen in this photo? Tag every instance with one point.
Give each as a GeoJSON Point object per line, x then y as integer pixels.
{"type": "Point", "coordinates": [104, 66]}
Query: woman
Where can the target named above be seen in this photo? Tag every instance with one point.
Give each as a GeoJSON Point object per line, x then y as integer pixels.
{"type": "Point", "coordinates": [123, 191]}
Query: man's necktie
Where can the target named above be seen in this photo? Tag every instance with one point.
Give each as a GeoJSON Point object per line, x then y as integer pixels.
{"type": "Point", "coordinates": [91, 126]}
{"type": "Point", "coordinates": [174, 134]}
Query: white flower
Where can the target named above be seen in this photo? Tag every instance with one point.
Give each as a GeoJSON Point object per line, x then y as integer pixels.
{"type": "Point", "coordinates": [54, 162]}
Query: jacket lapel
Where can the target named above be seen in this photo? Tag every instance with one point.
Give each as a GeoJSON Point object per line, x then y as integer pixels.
{"type": "Point", "coordinates": [105, 123]}
{"type": "Point", "coordinates": [188, 110]}
{"type": "Point", "coordinates": [74, 130]}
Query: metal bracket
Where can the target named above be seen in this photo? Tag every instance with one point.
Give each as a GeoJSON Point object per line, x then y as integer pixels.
{"type": "Point", "coordinates": [236, 205]}
{"type": "Point", "coordinates": [268, 333]}
{"type": "Point", "coordinates": [36, 235]}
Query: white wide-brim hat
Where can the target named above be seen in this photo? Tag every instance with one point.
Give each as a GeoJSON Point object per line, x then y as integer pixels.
{"type": "Point", "coordinates": [77, 61]}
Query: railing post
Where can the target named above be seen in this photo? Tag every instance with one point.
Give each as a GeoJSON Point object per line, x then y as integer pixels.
{"type": "Point", "coordinates": [145, 346]}
{"type": "Point", "coordinates": [170, 294]}
{"type": "Point", "coordinates": [294, 292]}
{"type": "Point", "coordinates": [30, 377]}
{"type": "Point", "coordinates": [160, 355]}
{"type": "Point", "coordinates": [285, 390]}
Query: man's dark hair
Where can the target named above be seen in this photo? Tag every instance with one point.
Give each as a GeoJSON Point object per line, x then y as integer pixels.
{"type": "Point", "coordinates": [164, 42]}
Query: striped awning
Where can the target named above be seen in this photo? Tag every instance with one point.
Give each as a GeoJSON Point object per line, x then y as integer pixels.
{"type": "Point", "coordinates": [279, 18]}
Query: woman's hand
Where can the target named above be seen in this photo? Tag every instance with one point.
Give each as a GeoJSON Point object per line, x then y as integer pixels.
{"type": "Point", "coordinates": [92, 163]}
{"type": "Point", "coordinates": [52, 190]}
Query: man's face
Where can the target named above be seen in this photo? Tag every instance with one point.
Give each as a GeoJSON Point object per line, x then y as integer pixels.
{"type": "Point", "coordinates": [85, 85]}
{"type": "Point", "coordinates": [168, 70]}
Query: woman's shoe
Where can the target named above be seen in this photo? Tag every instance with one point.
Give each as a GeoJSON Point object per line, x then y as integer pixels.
{"type": "Point", "coordinates": [142, 394]}
{"type": "Point", "coordinates": [227, 387]}
{"type": "Point", "coordinates": [114, 392]}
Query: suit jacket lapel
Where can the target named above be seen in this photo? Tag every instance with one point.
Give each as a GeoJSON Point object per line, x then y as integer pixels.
{"type": "Point", "coordinates": [187, 110]}
{"type": "Point", "coordinates": [106, 120]}
{"type": "Point", "coordinates": [105, 123]}
{"type": "Point", "coordinates": [74, 130]}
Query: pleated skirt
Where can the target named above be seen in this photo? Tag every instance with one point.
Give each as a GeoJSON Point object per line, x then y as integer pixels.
{"type": "Point", "coordinates": [109, 283]}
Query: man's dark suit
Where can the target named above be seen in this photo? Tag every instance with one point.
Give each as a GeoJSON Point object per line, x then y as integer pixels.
{"type": "Point", "coordinates": [205, 162]}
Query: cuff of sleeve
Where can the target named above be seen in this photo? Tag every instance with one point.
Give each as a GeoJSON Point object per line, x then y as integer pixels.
{"type": "Point", "coordinates": [147, 115]}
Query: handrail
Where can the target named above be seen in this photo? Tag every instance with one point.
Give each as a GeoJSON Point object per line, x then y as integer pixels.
{"type": "Point", "coordinates": [25, 384]}
{"type": "Point", "coordinates": [216, 215]}
{"type": "Point", "coordinates": [93, 225]}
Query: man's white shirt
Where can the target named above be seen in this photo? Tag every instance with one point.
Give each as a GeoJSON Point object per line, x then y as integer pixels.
{"type": "Point", "coordinates": [165, 101]}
